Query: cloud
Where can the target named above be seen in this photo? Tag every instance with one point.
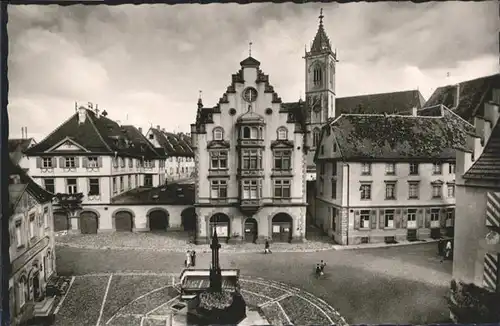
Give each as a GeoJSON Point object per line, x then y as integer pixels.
{"type": "Point", "coordinates": [145, 64]}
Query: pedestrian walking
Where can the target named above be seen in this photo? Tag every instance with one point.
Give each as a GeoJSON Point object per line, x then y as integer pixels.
{"type": "Point", "coordinates": [267, 249]}
{"type": "Point", "coordinates": [322, 265]}
{"type": "Point", "coordinates": [193, 258]}
{"type": "Point", "coordinates": [318, 270]}
{"type": "Point", "coordinates": [441, 247]}
{"type": "Point", "coordinates": [188, 259]}
{"type": "Point", "coordinates": [447, 251]}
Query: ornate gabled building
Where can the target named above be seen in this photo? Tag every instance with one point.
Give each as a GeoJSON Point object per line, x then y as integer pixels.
{"type": "Point", "coordinates": [177, 148]}
{"type": "Point", "coordinates": [250, 156]}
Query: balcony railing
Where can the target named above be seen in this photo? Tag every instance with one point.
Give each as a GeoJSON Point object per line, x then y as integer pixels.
{"type": "Point", "coordinates": [250, 206]}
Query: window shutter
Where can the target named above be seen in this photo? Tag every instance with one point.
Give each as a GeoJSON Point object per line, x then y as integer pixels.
{"type": "Point", "coordinates": [373, 219]}
{"type": "Point", "coordinates": [61, 162]}
{"type": "Point", "coordinates": [381, 219]}
{"type": "Point", "coordinates": [38, 162]}
{"type": "Point", "coordinates": [427, 218]}
{"type": "Point", "coordinates": [356, 220]}
{"type": "Point", "coordinates": [85, 162]}
{"type": "Point", "coordinates": [54, 162]}
{"type": "Point", "coordinates": [404, 219]}
{"type": "Point", "coordinates": [77, 162]}
{"type": "Point", "coordinates": [442, 216]}
{"type": "Point", "coordinates": [420, 218]}
{"type": "Point", "coordinates": [99, 161]}
{"type": "Point", "coordinates": [397, 218]}
{"type": "Point", "coordinates": [490, 272]}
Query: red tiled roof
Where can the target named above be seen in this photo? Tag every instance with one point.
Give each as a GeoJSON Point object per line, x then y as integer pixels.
{"type": "Point", "coordinates": [473, 94]}
{"type": "Point", "coordinates": [487, 166]}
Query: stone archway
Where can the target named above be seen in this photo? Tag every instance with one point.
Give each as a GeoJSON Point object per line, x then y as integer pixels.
{"type": "Point", "coordinates": [124, 221]}
{"type": "Point", "coordinates": [221, 222]}
{"type": "Point", "coordinates": [188, 218]}
{"type": "Point", "coordinates": [158, 220]}
{"type": "Point", "coordinates": [89, 222]}
{"type": "Point", "coordinates": [61, 221]}
{"type": "Point", "coordinates": [251, 230]}
{"type": "Point", "coordinates": [282, 227]}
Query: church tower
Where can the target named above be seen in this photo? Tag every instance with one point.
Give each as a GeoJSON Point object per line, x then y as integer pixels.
{"type": "Point", "coordinates": [320, 84]}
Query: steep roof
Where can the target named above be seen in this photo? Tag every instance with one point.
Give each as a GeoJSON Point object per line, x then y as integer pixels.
{"type": "Point", "coordinates": [487, 166]}
{"type": "Point", "coordinates": [172, 144]}
{"type": "Point", "coordinates": [380, 103]}
{"type": "Point", "coordinates": [26, 184]}
{"type": "Point", "coordinates": [139, 143]}
{"type": "Point", "coordinates": [250, 62]}
{"type": "Point", "coordinates": [473, 93]}
{"type": "Point", "coordinates": [321, 41]}
{"type": "Point", "coordinates": [17, 147]}
{"type": "Point", "coordinates": [381, 136]}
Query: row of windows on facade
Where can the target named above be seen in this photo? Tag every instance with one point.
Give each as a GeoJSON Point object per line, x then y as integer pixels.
{"type": "Point", "coordinates": [20, 237]}
{"type": "Point", "coordinates": [96, 162]}
{"type": "Point", "coordinates": [390, 168]}
{"type": "Point", "coordinates": [251, 189]}
{"type": "Point", "coordinates": [251, 159]}
{"type": "Point", "coordinates": [409, 220]}
{"type": "Point", "coordinates": [93, 184]}
{"type": "Point", "coordinates": [390, 190]}
{"type": "Point", "coordinates": [250, 133]}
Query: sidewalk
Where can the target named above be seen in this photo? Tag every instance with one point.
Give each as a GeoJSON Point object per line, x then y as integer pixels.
{"type": "Point", "coordinates": [384, 245]}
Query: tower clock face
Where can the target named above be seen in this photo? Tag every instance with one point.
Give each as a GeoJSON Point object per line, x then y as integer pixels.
{"type": "Point", "coordinates": [249, 94]}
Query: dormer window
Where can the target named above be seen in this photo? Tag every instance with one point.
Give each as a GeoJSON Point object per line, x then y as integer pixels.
{"type": "Point", "coordinates": [282, 133]}
{"type": "Point", "coordinates": [218, 133]}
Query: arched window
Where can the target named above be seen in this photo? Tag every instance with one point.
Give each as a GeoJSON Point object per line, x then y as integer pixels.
{"type": "Point", "coordinates": [246, 132]}
{"type": "Point", "coordinates": [317, 75]}
{"type": "Point", "coordinates": [22, 291]}
{"type": "Point", "coordinates": [282, 133]}
{"type": "Point", "coordinates": [316, 134]}
{"type": "Point", "coordinates": [218, 133]}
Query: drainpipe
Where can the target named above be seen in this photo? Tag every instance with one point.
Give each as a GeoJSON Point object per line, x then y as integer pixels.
{"type": "Point", "coordinates": [348, 196]}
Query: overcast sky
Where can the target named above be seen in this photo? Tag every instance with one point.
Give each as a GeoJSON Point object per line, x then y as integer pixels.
{"type": "Point", "coordinates": [145, 64]}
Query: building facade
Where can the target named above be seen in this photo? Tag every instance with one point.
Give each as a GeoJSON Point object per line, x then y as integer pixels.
{"type": "Point", "coordinates": [93, 155]}
{"type": "Point", "coordinates": [177, 148]}
{"type": "Point", "coordinates": [31, 249]}
{"type": "Point", "coordinates": [250, 157]}
{"type": "Point", "coordinates": [476, 253]}
{"type": "Point", "coordinates": [388, 177]}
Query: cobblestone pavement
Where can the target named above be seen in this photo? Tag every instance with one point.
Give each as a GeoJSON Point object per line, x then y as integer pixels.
{"type": "Point", "coordinates": [149, 299]}
{"type": "Point", "coordinates": [396, 285]}
{"type": "Point", "coordinates": [173, 242]}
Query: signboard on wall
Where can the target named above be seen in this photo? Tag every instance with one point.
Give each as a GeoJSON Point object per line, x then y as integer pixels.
{"type": "Point", "coordinates": [276, 229]}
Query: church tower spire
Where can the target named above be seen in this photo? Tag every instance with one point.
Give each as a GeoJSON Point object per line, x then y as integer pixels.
{"type": "Point", "coordinates": [320, 91]}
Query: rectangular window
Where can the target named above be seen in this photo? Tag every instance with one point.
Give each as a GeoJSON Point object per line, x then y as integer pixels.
{"type": "Point", "coordinates": [282, 189]}
{"type": "Point", "coordinates": [69, 162]}
{"type": "Point", "coordinates": [366, 191]}
{"type": "Point", "coordinates": [115, 162]}
{"type": "Point", "coordinates": [32, 226]}
{"type": "Point", "coordinates": [148, 180]}
{"type": "Point", "coordinates": [148, 164]}
{"type": "Point", "coordinates": [137, 180]}
{"type": "Point", "coordinates": [218, 160]}
{"type": "Point", "coordinates": [436, 191]}
{"type": "Point", "coordinates": [334, 188]}
{"type": "Point", "coordinates": [129, 181]}
{"type": "Point", "coordinates": [451, 191]}
{"type": "Point", "coordinates": [390, 191]}
{"type": "Point", "coordinates": [130, 163]}
{"type": "Point", "coordinates": [413, 188]}
{"type": "Point", "coordinates": [390, 168]}
{"type": "Point", "coordinates": [252, 159]}
{"type": "Point", "coordinates": [389, 218]}
{"type": "Point", "coordinates": [437, 168]}
{"type": "Point", "coordinates": [122, 184]}
{"type": "Point", "coordinates": [282, 160]}
{"type": "Point", "coordinates": [47, 162]}
{"type": "Point", "coordinates": [334, 219]}
{"type": "Point", "coordinates": [451, 168]}
{"type": "Point", "coordinates": [414, 168]}
{"type": "Point", "coordinates": [364, 219]}
{"type": "Point", "coordinates": [19, 234]}
{"type": "Point", "coordinates": [434, 217]}
{"type": "Point", "coordinates": [94, 187]}
{"type": "Point", "coordinates": [92, 162]}
{"type": "Point", "coordinates": [412, 218]}
{"type": "Point", "coordinates": [49, 185]}
{"type": "Point", "coordinates": [71, 186]}
{"type": "Point", "coordinates": [122, 162]}
{"type": "Point", "coordinates": [334, 169]}
{"type": "Point", "coordinates": [115, 188]}
{"type": "Point", "coordinates": [218, 189]}
{"type": "Point", "coordinates": [250, 189]}
{"type": "Point", "coordinates": [366, 168]}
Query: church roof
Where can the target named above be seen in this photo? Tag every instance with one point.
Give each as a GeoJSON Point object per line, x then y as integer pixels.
{"type": "Point", "coordinates": [473, 94]}
{"type": "Point", "coordinates": [321, 41]}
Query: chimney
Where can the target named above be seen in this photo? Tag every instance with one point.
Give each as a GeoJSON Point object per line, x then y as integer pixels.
{"type": "Point", "coordinates": [140, 130]}
{"type": "Point", "coordinates": [457, 96]}
{"type": "Point", "coordinates": [82, 114]}
{"type": "Point", "coordinates": [26, 132]}
{"type": "Point", "coordinates": [158, 127]}
{"type": "Point", "coordinates": [22, 132]}
{"type": "Point", "coordinates": [414, 111]}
